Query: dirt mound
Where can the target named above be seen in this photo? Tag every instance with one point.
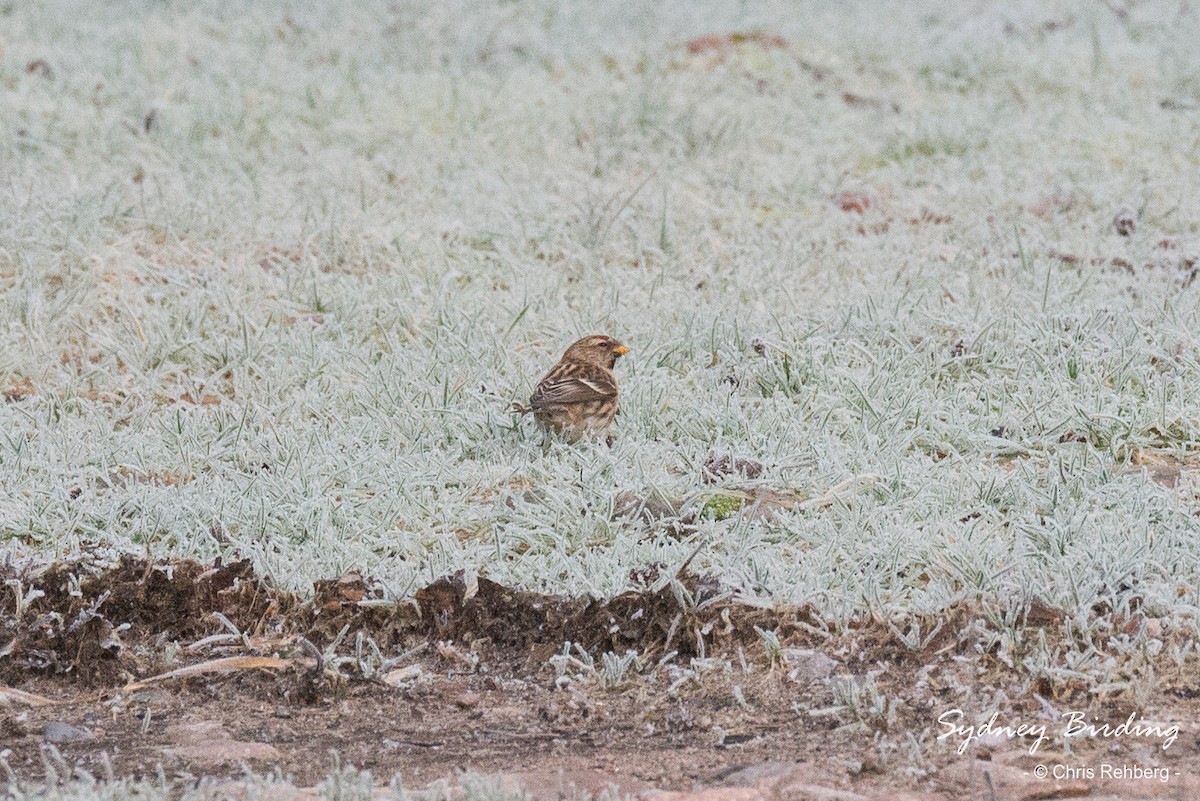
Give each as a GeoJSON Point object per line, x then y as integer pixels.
{"type": "Point", "coordinates": [65, 621]}
{"type": "Point", "coordinates": [103, 627]}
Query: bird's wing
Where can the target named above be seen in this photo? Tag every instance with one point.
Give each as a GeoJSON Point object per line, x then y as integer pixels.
{"type": "Point", "coordinates": [569, 383]}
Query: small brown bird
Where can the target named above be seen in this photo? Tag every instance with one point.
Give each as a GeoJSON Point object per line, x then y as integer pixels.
{"type": "Point", "coordinates": [578, 396]}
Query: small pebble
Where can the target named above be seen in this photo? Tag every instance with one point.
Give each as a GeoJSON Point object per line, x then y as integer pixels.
{"type": "Point", "coordinates": [58, 733]}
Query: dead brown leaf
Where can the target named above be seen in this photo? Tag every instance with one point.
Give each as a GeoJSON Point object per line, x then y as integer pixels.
{"type": "Point", "coordinates": [852, 200]}
{"type": "Point", "coordinates": [39, 67]}
{"type": "Point", "coordinates": [20, 390]}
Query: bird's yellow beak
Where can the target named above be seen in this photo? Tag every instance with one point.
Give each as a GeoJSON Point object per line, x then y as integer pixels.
{"type": "Point", "coordinates": [620, 350]}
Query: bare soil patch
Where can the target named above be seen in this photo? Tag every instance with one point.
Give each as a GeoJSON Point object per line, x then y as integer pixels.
{"type": "Point", "coordinates": [472, 685]}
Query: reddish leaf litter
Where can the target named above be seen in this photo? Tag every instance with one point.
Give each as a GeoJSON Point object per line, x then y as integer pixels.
{"type": "Point", "coordinates": [206, 670]}
{"type": "Point", "coordinates": [853, 200]}
{"type": "Point", "coordinates": [724, 43]}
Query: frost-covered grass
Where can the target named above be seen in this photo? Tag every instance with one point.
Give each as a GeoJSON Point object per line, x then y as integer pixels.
{"type": "Point", "coordinates": [65, 782]}
{"type": "Point", "coordinates": [269, 281]}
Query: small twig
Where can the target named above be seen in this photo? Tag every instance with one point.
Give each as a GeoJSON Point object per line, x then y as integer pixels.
{"type": "Point", "coordinates": [227, 664]}
{"type": "Point", "coordinates": [388, 664]}
{"type": "Point", "coordinates": [313, 651]}
{"type": "Point", "coordinates": [624, 205]}
{"type": "Point", "coordinates": [680, 572]}
{"type": "Point", "coordinates": [12, 695]}
{"type": "Point", "coordinates": [1121, 13]}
